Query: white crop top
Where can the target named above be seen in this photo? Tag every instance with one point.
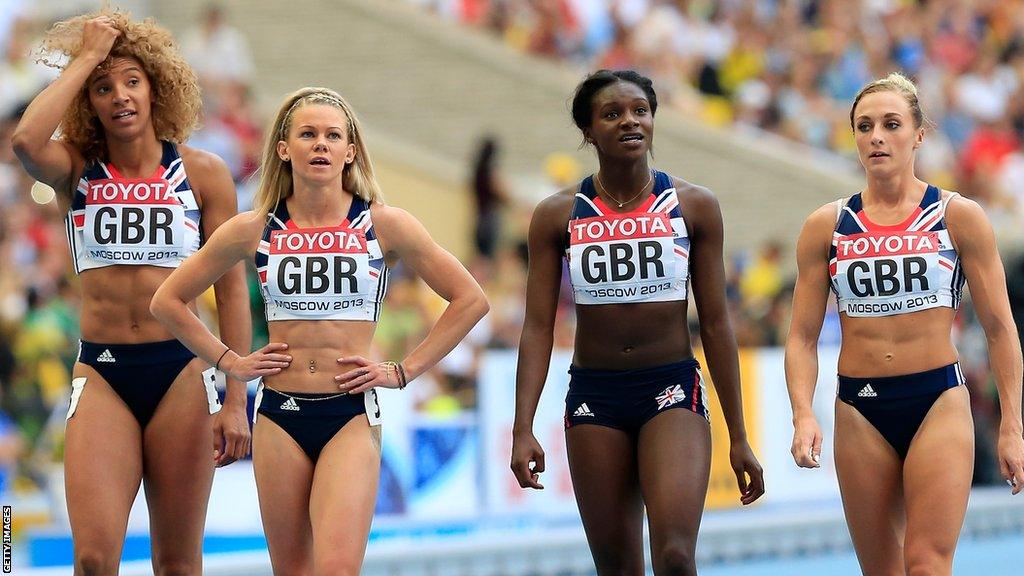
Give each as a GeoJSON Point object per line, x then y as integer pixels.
{"type": "Point", "coordinates": [628, 257]}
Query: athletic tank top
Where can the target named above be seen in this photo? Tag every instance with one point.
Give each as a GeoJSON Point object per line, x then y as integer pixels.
{"type": "Point", "coordinates": [626, 257]}
{"type": "Point", "coordinates": [888, 270]}
{"type": "Point", "coordinates": [330, 273]}
{"type": "Point", "coordinates": [151, 221]}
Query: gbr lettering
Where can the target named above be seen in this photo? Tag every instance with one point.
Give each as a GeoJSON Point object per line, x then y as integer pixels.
{"type": "Point", "coordinates": [130, 225]}
{"type": "Point", "coordinates": [620, 261]}
{"type": "Point", "coordinates": [317, 275]}
{"type": "Point", "coordinates": [887, 276]}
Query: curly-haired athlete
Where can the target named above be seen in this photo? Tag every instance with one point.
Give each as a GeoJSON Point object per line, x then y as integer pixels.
{"type": "Point", "coordinates": [139, 204]}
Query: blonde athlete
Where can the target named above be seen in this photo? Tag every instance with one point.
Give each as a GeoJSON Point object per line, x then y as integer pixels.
{"type": "Point", "coordinates": [897, 255]}
{"type": "Point", "coordinates": [321, 239]}
{"type": "Point", "coordinates": [139, 204]}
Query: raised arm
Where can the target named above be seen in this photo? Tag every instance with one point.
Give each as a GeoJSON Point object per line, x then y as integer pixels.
{"type": "Point", "coordinates": [708, 275]}
{"type": "Point", "coordinates": [809, 300]}
{"type": "Point", "coordinates": [211, 177]}
{"type": "Point", "coordinates": [547, 233]}
{"type": "Point", "coordinates": [234, 241]}
{"type": "Point", "coordinates": [405, 237]}
{"type": "Point", "coordinates": [976, 244]}
{"type": "Point", "coordinates": [47, 160]}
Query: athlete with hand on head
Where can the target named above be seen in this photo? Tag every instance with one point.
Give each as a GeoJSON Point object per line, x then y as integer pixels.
{"type": "Point", "coordinates": [139, 203]}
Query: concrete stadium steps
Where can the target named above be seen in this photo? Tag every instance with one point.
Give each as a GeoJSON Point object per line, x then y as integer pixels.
{"type": "Point", "coordinates": [438, 86]}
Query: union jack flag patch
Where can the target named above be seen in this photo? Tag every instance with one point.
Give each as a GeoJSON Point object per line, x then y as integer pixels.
{"type": "Point", "coordinates": [671, 395]}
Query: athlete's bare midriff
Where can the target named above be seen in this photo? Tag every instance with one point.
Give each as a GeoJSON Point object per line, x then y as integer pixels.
{"type": "Point", "coordinates": [318, 344]}
{"type": "Point", "coordinates": [897, 345]}
{"type": "Point", "coordinates": [115, 305]}
{"type": "Point", "coordinates": [627, 336]}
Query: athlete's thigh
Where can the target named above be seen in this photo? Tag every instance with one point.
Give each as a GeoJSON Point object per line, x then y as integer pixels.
{"type": "Point", "coordinates": [178, 456]}
{"type": "Point", "coordinates": [870, 481]}
{"type": "Point", "coordinates": [343, 497]}
{"type": "Point", "coordinates": [603, 467]}
{"type": "Point", "coordinates": [102, 465]}
{"type": "Point", "coordinates": [674, 455]}
{"type": "Point", "coordinates": [937, 480]}
{"type": "Point", "coordinates": [284, 475]}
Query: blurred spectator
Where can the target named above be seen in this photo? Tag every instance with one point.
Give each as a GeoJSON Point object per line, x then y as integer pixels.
{"type": "Point", "coordinates": [489, 195]}
{"type": "Point", "coordinates": [218, 52]}
{"type": "Point", "coordinates": [20, 76]}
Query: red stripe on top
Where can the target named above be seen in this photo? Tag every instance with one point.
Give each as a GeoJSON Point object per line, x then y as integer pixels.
{"type": "Point", "coordinates": [871, 226]}
{"type": "Point", "coordinates": [607, 209]}
{"type": "Point", "coordinates": [291, 225]}
{"type": "Point", "coordinates": [158, 173]}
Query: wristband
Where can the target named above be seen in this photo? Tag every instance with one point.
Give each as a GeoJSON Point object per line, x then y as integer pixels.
{"type": "Point", "coordinates": [402, 381]}
{"type": "Point", "coordinates": [217, 365]}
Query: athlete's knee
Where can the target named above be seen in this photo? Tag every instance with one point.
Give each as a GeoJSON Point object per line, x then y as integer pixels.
{"type": "Point", "coordinates": [95, 562]}
{"type": "Point", "coordinates": [616, 570]}
{"type": "Point", "coordinates": [676, 559]}
{"type": "Point", "coordinates": [178, 568]}
{"type": "Point", "coordinates": [335, 564]}
{"type": "Point", "coordinates": [924, 560]}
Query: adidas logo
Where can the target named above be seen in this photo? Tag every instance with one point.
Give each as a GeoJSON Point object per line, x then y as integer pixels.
{"type": "Point", "coordinates": [106, 356]}
{"type": "Point", "coordinates": [290, 404]}
{"type": "Point", "coordinates": [583, 410]}
{"type": "Point", "coordinates": [867, 392]}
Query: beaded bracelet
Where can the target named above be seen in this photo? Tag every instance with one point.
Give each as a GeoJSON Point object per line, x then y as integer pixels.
{"type": "Point", "coordinates": [399, 371]}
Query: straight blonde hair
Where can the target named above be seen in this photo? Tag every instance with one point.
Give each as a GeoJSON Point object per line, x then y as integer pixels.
{"type": "Point", "coordinates": [900, 84]}
{"type": "Point", "coordinates": [276, 174]}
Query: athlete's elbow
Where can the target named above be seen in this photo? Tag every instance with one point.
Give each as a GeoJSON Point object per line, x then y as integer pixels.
{"type": "Point", "coordinates": [716, 329]}
{"type": "Point", "coordinates": [998, 329]}
{"type": "Point", "coordinates": [161, 306]}
{"type": "Point", "coordinates": [478, 306]}
{"type": "Point", "coordinates": [22, 144]}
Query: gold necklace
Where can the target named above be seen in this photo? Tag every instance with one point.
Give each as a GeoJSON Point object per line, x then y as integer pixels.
{"type": "Point", "coordinates": [601, 189]}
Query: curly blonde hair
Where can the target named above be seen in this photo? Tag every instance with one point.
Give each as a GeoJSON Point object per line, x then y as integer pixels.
{"type": "Point", "coordinates": [177, 102]}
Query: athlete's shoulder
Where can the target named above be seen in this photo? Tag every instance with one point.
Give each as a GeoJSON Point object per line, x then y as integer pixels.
{"type": "Point", "coordinates": [822, 221]}
{"type": "Point", "coordinates": [397, 228]}
{"type": "Point", "coordinates": [827, 212]}
{"type": "Point", "coordinates": [692, 193]}
{"type": "Point", "coordinates": [963, 211]}
{"type": "Point", "coordinates": [242, 232]}
{"type": "Point", "coordinates": [689, 188]}
{"type": "Point", "coordinates": [558, 203]}
{"type": "Point", "coordinates": [388, 216]}
{"type": "Point", "coordinates": [696, 201]}
{"type": "Point", "coordinates": [246, 223]}
{"type": "Point", "coordinates": [200, 163]}
{"type": "Point", "coordinates": [557, 208]}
